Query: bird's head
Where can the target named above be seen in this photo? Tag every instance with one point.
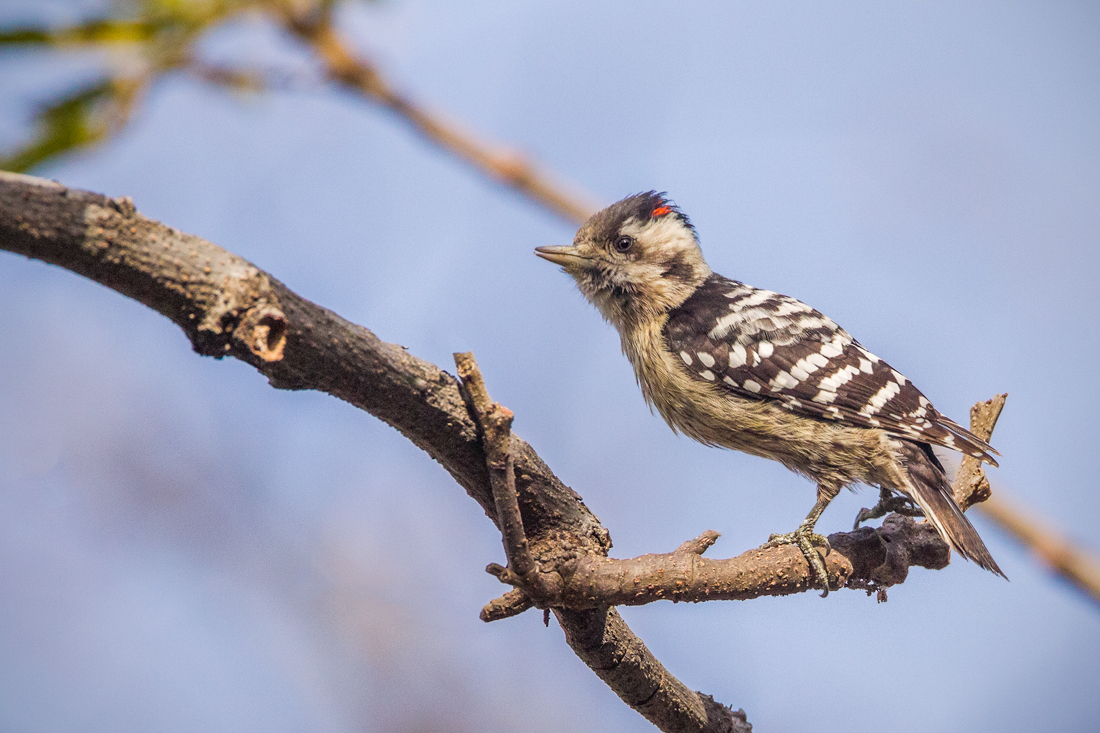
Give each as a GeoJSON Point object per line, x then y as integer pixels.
{"type": "Point", "coordinates": [637, 259]}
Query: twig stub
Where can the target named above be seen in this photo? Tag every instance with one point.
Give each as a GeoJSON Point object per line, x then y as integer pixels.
{"type": "Point", "coordinates": [971, 485]}
{"type": "Point", "coordinates": [495, 422]}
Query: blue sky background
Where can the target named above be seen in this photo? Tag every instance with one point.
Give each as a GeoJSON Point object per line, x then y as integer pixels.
{"type": "Point", "coordinates": [183, 548]}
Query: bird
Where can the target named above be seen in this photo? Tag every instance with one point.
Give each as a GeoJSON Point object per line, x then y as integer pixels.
{"type": "Point", "coordinates": [747, 369]}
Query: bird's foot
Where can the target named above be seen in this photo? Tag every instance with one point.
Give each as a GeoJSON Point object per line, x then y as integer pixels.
{"type": "Point", "coordinates": [805, 538]}
{"type": "Point", "coordinates": [889, 502]}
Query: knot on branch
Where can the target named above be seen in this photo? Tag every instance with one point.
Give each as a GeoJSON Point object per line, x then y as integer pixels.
{"type": "Point", "coordinates": [123, 205]}
{"type": "Point", "coordinates": [882, 557]}
{"type": "Point", "coordinates": [262, 331]}
{"type": "Point", "coordinates": [247, 311]}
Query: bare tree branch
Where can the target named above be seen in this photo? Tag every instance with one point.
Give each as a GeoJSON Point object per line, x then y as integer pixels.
{"type": "Point", "coordinates": [495, 423]}
{"type": "Point", "coordinates": [226, 306]}
{"type": "Point", "coordinates": [166, 38]}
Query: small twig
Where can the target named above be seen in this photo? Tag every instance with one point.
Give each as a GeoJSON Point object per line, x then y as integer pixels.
{"type": "Point", "coordinates": [495, 422]}
{"type": "Point", "coordinates": [971, 485]}
{"type": "Point", "coordinates": [512, 603]}
{"type": "Point", "coordinates": [700, 544]}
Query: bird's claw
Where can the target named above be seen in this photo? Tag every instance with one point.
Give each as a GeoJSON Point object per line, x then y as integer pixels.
{"type": "Point", "coordinates": [889, 502]}
{"type": "Point", "coordinates": [805, 538]}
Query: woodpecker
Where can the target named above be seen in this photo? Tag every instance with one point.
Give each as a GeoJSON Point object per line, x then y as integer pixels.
{"type": "Point", "coordinates": [734, 366]}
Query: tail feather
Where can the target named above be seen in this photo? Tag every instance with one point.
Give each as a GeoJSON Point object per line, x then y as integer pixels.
{"type": "Point", "coordinates": [971, 444]}
{"type": "Point", "coordinates": [931, 489]}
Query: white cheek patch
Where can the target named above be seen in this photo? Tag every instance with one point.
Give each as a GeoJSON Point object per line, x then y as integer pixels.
{"type": "Point", "coordinates": [663, 234]}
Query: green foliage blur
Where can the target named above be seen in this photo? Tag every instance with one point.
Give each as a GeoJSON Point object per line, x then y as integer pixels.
{"type": "Point", "coordinates": [147, 39]}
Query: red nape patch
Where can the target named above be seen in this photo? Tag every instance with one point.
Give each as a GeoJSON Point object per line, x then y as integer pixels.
{"type": "Point", "coordinates": [662, 210]}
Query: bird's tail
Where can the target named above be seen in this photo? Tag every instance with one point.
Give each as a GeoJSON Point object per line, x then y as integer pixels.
{"type": "Point", "coordinates": [932, 491]}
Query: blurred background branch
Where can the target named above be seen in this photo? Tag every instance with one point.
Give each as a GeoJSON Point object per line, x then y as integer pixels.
{"type": "Point", "coordinates": [159, 37]}
{"type": "Point", "coordinates": [1059, 553]}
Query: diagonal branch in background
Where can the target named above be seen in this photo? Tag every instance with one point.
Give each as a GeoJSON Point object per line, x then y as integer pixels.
{"type": "Point", "coordinates": [1060, 554]}
{"type": "Point", "coordinates": [1052, 548]}
{"type": "Point", "coordinates": [163, 38]}
{"type": "Point", "coordinates": [509, 168]}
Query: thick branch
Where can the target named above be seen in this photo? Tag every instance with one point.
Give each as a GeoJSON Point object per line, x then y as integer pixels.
{"type": "Point", "coordinates": [865, 558]}
{"type": "Point", "coordinates": [227, 307]}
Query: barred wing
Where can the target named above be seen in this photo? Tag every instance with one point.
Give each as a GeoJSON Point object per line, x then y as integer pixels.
{"type": "Point", "coordinates": [761, 345]}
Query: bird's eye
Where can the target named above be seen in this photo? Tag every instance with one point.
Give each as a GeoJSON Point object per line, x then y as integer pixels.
{"type": "Point", "coordinates": [624, 243]}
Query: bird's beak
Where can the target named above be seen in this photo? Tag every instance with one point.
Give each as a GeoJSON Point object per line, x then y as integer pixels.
{"type": "Point", "coordinates": [564, 255]}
